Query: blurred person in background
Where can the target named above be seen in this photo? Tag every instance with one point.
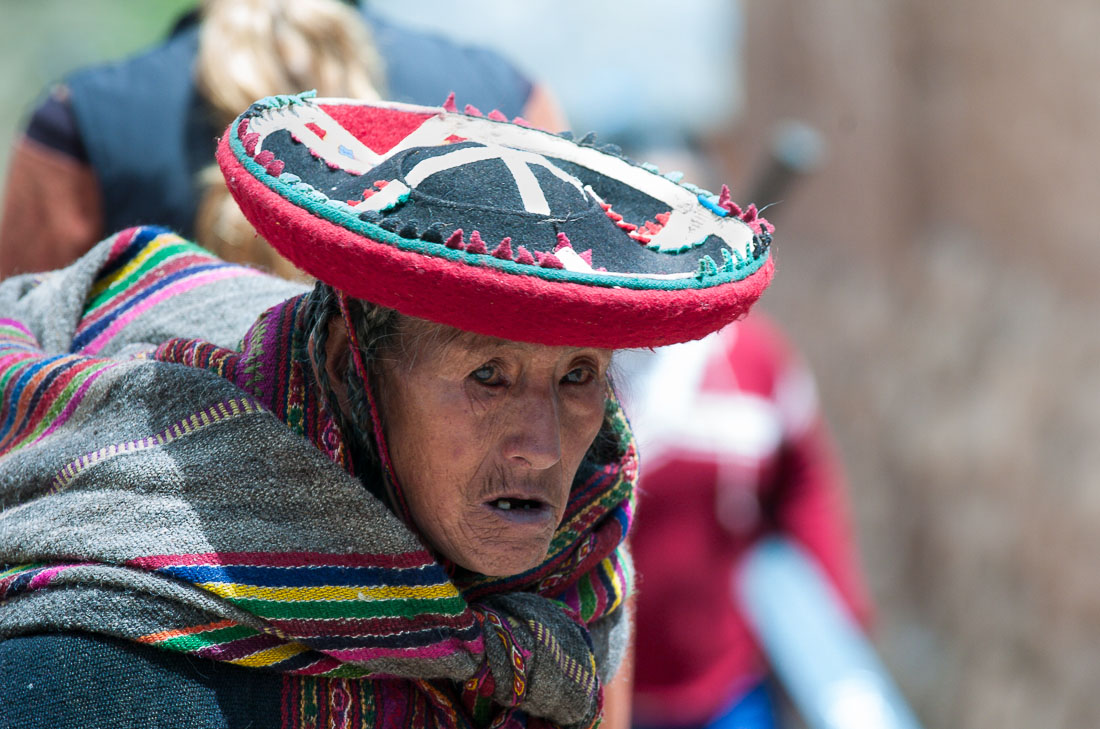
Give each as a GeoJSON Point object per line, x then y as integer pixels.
{"type": "Point", "coordinates": [131, 142]}
{"type": "Point", "coordinates": [734, 448]}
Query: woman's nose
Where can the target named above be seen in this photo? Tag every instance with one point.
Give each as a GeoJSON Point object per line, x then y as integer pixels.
{"type": "Point", "coordinates": [535, 436]}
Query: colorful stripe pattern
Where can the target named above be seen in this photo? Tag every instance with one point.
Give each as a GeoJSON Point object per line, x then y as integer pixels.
{"type": "Point", "coordinates": [26, 577]}
{"type": "Point", "coordinates": [353, 608]}
{"type": "Point", "coordinates": [600, 591]}
{"type": "Point", "coordinates": [39, 393]}
{"type": "Point", "coordinates": [228, 641]}
{"type": "Point", "coordinates": [146, 267]}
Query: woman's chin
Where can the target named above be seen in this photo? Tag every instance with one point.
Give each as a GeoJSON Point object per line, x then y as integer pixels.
{"type": "Point", "coordinates": [507, 564]}
{"type": "Point", "coordinates": [513, 542]}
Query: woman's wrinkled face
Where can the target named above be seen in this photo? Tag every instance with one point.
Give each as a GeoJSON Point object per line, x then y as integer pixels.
{"type": "Point", "coordinates": [485, 436]}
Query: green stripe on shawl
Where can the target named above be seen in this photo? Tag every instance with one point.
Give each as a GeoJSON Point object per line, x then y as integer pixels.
{"type": "Point", "coordinates": [60, 402]}
{"type": "Point", "coordinates": [198, 641]}
{"type": "Point", "coordinates": [159, 251]}
{"type": "Point", "coordinates": [351, 609]}
{"type": "Point", "coordinates": [588, 597]}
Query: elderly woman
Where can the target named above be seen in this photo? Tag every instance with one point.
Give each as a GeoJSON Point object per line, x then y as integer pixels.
{"type": "Point", "coordinates": [398, 499]}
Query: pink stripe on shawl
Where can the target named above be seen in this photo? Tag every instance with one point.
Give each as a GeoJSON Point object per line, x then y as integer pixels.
{"type": "Point", "coordinates": [16, 324]}
{"type": "Point", "coordinates": [74, 401]}
{"type": "Point", "coordinates": [437, 650]}
{"type": "Point", "coordinates": [101, 341]}
{"type": "Point", "coordinates": [174, 264]}
{"type": "Point", "coordinates": [123, 240]}
{"type": "Point", "coordinates": [44, 577]}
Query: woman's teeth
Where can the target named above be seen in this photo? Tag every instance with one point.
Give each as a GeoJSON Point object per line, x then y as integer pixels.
{"type": "Point", "coordinates": [507, 504]}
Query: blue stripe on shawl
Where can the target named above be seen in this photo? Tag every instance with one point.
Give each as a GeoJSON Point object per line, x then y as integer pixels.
{"type": "Point", "coordinates": [39, 393]}
{"type": "Point", "coordinates": [620, 514]}
{"type": "Point", "coordinates": [12, 396]}
{"type": "Point", "coordinates": [85, 337]}
{"type": "Point", "coordinates": [21, 582]}
{"type": "Point", "coordinates": [296, 662]}
{"type": "Point", "coordinates": [145, 235]}
{"type": "Point", "coordinates": [307, 577]}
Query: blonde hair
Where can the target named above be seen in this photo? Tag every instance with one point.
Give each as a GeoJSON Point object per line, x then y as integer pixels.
{"type": "Point", "coordinates": [249, 49]}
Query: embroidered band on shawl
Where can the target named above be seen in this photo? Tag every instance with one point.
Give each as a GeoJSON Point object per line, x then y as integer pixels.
{"type": "Point", "coordinates": [196, 422]}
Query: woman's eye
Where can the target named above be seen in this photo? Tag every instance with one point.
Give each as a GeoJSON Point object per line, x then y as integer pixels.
{"type": "Point", "coordinates": [487, 375]}
{"type": "Point", "coordinates": [579, 376]}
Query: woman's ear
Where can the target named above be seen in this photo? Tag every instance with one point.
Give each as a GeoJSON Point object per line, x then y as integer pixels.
{"type": "Point", "coordinates": [335, 361]}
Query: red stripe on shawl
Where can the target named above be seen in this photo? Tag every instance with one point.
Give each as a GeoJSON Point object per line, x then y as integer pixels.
{"type": "Point", "coordinates": [161, 270]}
{"type": "Point", "coordinates": [431, 651]}
{"type": "Point", "coordinates": [419, 558]}
{"type": "Point", "coordinates": [353, 627]}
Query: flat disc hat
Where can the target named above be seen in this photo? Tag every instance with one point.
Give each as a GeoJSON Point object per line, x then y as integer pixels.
{"type": "Point", "coordinates": [491, 226]}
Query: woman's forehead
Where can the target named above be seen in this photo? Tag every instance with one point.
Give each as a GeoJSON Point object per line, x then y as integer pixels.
{"type": "Point", "coordinates": [428, 338]}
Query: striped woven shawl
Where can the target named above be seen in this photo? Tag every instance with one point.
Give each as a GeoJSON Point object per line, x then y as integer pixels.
{"type": "Point", "coordinates": [166, 482]}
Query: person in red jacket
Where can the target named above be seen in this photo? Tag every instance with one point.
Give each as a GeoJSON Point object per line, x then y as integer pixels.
{"type": "Point", "coordinates": [734, 448]}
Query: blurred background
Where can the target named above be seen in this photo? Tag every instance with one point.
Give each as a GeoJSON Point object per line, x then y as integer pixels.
{"type": "Point", "coordinates": [937, 268]}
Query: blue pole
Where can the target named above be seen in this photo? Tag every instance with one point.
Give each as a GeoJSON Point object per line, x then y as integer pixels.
{"type": "Point", "coordinates": [818, 652]}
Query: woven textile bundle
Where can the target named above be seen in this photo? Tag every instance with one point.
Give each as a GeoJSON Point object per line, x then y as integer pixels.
{"type": "Point", "coordinates": [169, 476]}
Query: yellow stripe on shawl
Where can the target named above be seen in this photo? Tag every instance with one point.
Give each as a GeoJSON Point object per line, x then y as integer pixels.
{"type": "Point", "coordinates": [233, 590]}
{"type": "Point", "coordinates": [608, 568]}
{"type": "Point", "coordinates": [150, 250]}
{"type": "Point", "coordinates": [270, 656]}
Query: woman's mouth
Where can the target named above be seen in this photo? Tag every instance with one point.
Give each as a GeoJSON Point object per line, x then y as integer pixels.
{"type": "Point", "coordinates": [509, 504]}
{"type": "Point", "coordinates": [519, 510]}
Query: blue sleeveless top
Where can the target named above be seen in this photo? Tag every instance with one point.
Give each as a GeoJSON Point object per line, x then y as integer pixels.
{"type": "Point", "coordinates": [147, 132]}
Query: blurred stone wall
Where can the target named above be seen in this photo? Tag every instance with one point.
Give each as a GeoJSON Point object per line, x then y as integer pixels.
{"type": "Point", "coordinates": [940, 271]}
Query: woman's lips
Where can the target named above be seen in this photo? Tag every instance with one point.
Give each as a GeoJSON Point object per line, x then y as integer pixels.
{"type": "Point", "coordinates": [520, 511]}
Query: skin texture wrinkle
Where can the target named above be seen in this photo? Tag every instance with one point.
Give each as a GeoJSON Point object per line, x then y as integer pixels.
{"type": "Point", "coordinates": [485, 435]}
